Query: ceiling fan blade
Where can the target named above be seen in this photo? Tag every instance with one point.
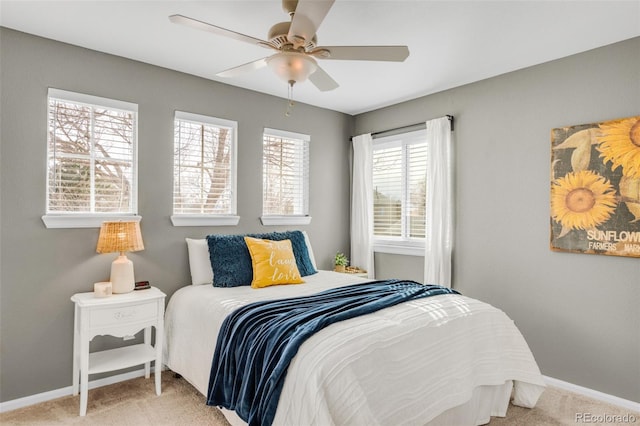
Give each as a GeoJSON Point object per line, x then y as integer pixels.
{"type": "Point", "coordinates": [241, 69]}
{"type": "Point", "coordinates": [204, 26]}
{"type": "Point", "coordinates": [322, 80]}
{"type": "Point", "coordinates": [306, 20]}
{"type": "Point", "coordinates": [362, 53]}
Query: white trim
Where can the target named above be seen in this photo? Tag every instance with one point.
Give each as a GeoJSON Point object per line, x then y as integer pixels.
{"type": "Point", "coordinates": [199, 119]}
{"type": "Point", "coordinates": [287, 135]}
{"type": "Point", "coordinates": [593, 394]}
{"type": "Point", "coordinates": [205, 119]}
{"type": "Point", "coordinates": [50, 219]}
{"type": "Point", "coordinates": [59, 393]}
{"type": "Point", "coordinates": [91, 100]}
{"type": "Point", "coordinates": [85, 220]}
{"type": "Point", "coordinates": [399, 247]}
{"type": "Point", "coordinates": [402, 244]}
{"type": "Point", "coordinates": [299, 160]}
{"type": "Point", "coordinates": [399, 139]}
{"type": "Point", "coordinates": [285, 220]}
{"type": "Point", "coordinates": [410, 247]}
{"type": "Point", "coordinates": [204, 220]}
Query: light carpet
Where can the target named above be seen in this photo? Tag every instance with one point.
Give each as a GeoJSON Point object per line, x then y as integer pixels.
{"type": "Point", "coordinates": [134, 402]}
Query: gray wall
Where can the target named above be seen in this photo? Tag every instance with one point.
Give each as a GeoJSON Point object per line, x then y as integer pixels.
{"type": "Point", "coordinates": [41, 268]}
{"type": "Point", "coordinates": [579, 313]}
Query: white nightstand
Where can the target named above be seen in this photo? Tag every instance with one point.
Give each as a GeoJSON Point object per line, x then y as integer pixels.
{"type": "Point", "coordinates": [119, 315]}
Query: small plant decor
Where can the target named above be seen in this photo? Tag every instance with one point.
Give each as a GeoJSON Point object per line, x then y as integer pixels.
{"type": "Point", "coordinates": [340, 262]}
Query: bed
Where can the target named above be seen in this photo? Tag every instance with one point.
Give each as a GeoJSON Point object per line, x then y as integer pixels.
{"type": "Point", "coordinates": [447, 359]}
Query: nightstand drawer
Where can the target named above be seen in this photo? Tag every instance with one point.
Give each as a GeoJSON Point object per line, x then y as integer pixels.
{"type": "Point", "coordinates": [122, 315]}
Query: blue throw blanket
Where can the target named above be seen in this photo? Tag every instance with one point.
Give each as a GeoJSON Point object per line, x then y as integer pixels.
{"type": "Point", "coordinates": [258, 341]}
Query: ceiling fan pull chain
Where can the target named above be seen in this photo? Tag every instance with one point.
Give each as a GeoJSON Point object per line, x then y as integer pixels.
{"type": "Point", "coordinates": [289, 98]}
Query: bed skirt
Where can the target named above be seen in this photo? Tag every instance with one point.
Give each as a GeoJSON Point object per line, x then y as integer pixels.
{"type": "Point", "coordinates": [485, 402]}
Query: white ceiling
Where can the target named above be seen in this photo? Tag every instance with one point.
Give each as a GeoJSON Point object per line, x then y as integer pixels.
{"type": "Point", "coordinates": [451, 43]}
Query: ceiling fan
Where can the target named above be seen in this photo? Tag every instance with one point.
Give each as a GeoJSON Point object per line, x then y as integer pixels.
{"type": "Point", "coordinates": [296, 45]}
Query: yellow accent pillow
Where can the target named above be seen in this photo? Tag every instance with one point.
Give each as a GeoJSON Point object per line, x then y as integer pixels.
{"type": "Point", "coordinates": [273, 262]}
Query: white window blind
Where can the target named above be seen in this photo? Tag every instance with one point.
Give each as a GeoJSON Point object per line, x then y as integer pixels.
{"type": "Point", "coordinates": [399, 187]}
{"type": "Point", "coordinates": [285, 173]}
{"type": "Point", "coordinates": [91, 155]}
{"type": "Point", "coordinates": [416, 188]}
{"type": "Point", "coordinates": [204, 165]}
{"type": "Point", "coordinates": [387, 191]}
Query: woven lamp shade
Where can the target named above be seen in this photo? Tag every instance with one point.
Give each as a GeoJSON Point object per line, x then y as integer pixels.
{"type": "Point", "coordinates": [119, 237]}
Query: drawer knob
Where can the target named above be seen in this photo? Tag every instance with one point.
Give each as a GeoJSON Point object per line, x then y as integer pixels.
{"type": "Point", "coordinates": [120, 315]}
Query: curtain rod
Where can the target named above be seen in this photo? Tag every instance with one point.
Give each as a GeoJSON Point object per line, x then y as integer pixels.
{"type": "Point", "coordinates": [450, 117]}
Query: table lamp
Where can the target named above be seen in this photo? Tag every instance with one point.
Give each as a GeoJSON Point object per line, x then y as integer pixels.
{"type": "Point", "coordinates": [120, 237]}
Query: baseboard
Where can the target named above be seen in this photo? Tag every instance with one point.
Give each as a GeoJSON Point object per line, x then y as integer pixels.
{"type": "Point", "coordinates": [59, 393]}
{"type": "Point", "coordinates": [594, 394]}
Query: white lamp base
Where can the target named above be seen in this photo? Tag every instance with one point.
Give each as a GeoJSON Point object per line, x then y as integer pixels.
{"type": "Point", "coordinates": [122, 275]}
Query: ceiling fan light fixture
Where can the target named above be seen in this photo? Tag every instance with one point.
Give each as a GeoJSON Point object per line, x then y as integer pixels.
{"type": "Point", "coordinates": [292, 66]}
{"type": "Point", "coordinates": [296, 44]}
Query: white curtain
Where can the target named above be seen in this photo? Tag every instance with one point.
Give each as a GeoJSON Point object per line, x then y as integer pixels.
{"type": "Point", "coordinates": [439, 200]}
{"type": "Point", "coordinates": [362, 204]}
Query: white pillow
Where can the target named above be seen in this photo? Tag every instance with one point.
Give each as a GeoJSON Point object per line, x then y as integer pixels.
{"type": "Point", "coordinates": [310, 250]}
{"type": "Point", "coordinates": [199, 262]}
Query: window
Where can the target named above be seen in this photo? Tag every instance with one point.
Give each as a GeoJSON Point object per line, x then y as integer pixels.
{"type": "Point", "coordinates": [399, 193]}
{"type": "Point", "coordinates": [91, 160]}
{"type": "Point", "coordinates": [285, 178]}
{"type": "Point", "coordinates": [204, 171]}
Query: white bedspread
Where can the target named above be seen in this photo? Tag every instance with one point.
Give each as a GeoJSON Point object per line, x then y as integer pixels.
{"type": "Point", "coordinates": [405, 364]}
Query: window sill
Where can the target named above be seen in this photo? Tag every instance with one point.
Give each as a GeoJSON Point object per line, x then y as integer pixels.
{"type": "Point", "coordinates": [285, 220]}
{"type": "Point", "coordinates": [204, 220]}
{"type": "Point", "coordinates": [85, 220]}
{"type": "Point", "coordinates": [407, 248]}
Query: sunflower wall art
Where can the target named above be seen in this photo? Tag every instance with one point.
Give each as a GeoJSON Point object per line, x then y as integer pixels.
{"type": "Point", "coordinates": [595, 188]}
